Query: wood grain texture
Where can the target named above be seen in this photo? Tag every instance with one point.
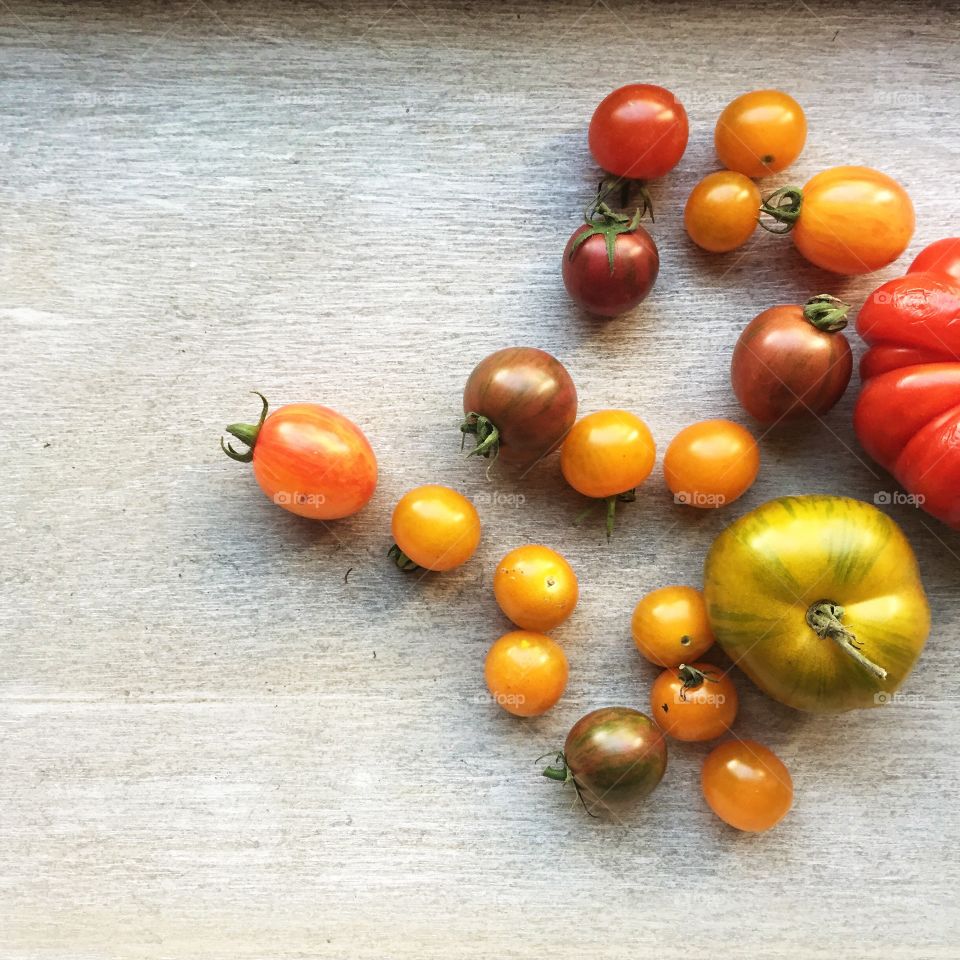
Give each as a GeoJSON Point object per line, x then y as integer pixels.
{"type": "Point", "coordinates": [218, 746]}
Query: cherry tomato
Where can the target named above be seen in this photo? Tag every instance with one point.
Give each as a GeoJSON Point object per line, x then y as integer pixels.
{"type": "Point", "coordinates": [747, 785]}
{"type": "Point", "coordinates": [526, 673]}
{"type": "Point", "coordinates": [519, 402]}
{"type": "Point", "coordinates": [435, 528]}
{"type": "Point", "coordinates": [760, 133]}
{"type": "Point", "coordinates": [308, 459]}
{"type": "Point", "coordinates": [639, 131]}
{"type": "Point", "coordinates": [670, 626]}
{"type": "Point", "coordinates": [721, 211]}
{"type": "Point", "coordinates": [711, 463]}
{"type": "Point", "coordinates": [535, 587]}
{"type": "Point", "coordinates": [793, 361]}
{"type": "Point", "coordinates": [942, 256]}
{"type": "Point", "coordinates": [610, 263]}
{"type": "Point", "coordinates": [694, 701]}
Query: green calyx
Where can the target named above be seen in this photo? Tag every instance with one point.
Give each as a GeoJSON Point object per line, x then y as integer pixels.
{"type": "Point", "coordinates": [401, 559]}
{"type": "Point", "coordinates": [628, 496]}
{"type": "Point", "coordinates": [246, 433]}
{"type": "Point", "coordinates": [826, 313]}
{"type": "Point", "coordinates": [560, 772]}
{"type": "Point", "coordinates": [488, 436]}
{"type": "Point", "coordinates": [605, 222]}
{"type": "Point", "coordinates": [691, 678]}
{"type": "Point", "coordinates": [783, 207]}
{"type": "Point", "coordinates": [825, 619]}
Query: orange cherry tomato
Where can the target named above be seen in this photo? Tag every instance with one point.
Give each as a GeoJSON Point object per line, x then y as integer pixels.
{"type": "Point", "coordinates": [693, 702]}
{"type": "Point", "coordinates": [760, 133]}
{"type": "Point", "coordinates": [670, 626]}
{"type": "Point", "coordinates": [721, 211]}
{"type": "Point", "coordinates": [535, 587]}
{"type": "Point", "coordinates": [711, 463]}
{"type": "Point", "coordinates": [434, 527]}
{"type": "Point", "coordinates": [526, 673]}
{"type": "Point", "coordinates": [747, 785]}
{"type": "Point", "coordinates": [308, 459]}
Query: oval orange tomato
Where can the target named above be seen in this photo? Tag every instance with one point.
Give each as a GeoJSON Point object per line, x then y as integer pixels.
{"type": "Point", "coordinates": [747, 785]}
{"type": "Point", "coordinates": [535, 587]}
{"type": "Point", "coordinates": [670, 626]}
{"type": "Point", "coordinates": [434, 527]}
{"type": "Point", "coordinates": [760, 133]}
{"type": "Point", "coordinates": [526, 673]}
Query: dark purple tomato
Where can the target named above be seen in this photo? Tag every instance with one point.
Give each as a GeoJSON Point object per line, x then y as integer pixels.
{"type": "Point", "coordinates": [519, 402]}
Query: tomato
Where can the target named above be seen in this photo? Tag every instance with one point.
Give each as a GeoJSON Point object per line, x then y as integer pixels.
{"type": "Point", "coordinates": [610, 263]}
{"type": "Point", "coordinates": [519, 402]}
{"type": "Point", "coordinates": [607, 455]}
{"type": "Point", "coordinates": [793, 361]}
{"type": "Point", "coordinates": [614, 757]}
{"type": "Point", "coordinates": [435, 528]}
{"type": "Point", "coordinates": [308, 459]}
{"type": "Point", "coordinates": [721, 211]}
{"type": "Point", "coordinates": [942, 256]}
{"type": "Point", "coordinates": [818, 600]}
{"type": "Point", "coordinates": [535, 587]}
{"type": "Point", "coordinates": [711, 463]}
{"type": "Point", "coordinates": [696, 701]}
{"type": "Point", "coordinates": [847, 220]}
{"type": "Point", "coordinates": [747, 785]}
{"type": "Point", "coordinates": [639, 131]}
{"type": "Point", "coordinates": [526, 673]}
{"type": "Point", "coordinates": [760, 133]}
{"type": "Point", "coordinates": [670, 626]}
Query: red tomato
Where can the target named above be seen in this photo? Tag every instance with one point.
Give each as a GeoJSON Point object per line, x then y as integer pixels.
{"type": "Point", "coordinates": [308, 459]}
{"type": "Point", "coordinates": [639, 131]}
{"type": "Point", "coordinates": [943, 256]}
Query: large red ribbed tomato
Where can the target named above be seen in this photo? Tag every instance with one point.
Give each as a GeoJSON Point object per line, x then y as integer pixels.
{"type": "Point", "coordinates": [908, 414]}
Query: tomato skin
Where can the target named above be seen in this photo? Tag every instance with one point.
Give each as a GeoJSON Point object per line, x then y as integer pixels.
{"type": "Point", "coordinates": [783, 367]}
{"type": "Point", "coordinates": [607, 453]}
{"type": "Point", "coordinates": [853, 220]}
{"type": "Point", "coordinates": [941, 256]}
{"type": "Point", "coordinates": [526, 673]}
{"type": "Point", "coordinates": [535, 587]}
{"type": "Point", "coordinates": [639, 131]}
{"type": "Point", "coordinates": [747, 785]}
{"type": "Point", "coordinates": [760, 133]}
{"type": "Point", "coordinates": [721, 211]}
{"type": "Point", "coordinates": [670, 626]}
{"type": "Point", "coordinates": [589, 281]}
{"type": "Point", "coordinates": [314, 462]}
{"type": "Point", "coordinates": [693, 714]}
{"type": "Point", "coordinates": [436, 527]}
{"type": "Point", "coordinates": [530, 398]}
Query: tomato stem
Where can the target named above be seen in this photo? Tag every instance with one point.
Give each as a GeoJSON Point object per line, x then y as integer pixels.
{"type": "Point", "coordinates": [607, 223]}
{"type": "Point", "coordinates": [692, 678]}
{"type": "Point", "coordinates": [824, 617]}
{"type": "Point", "coordinates": [826, 313]}
{"type": "Point", "coordinates": [561, 773]}
{"type": "Point", "coordinates": [401, 559]}
{"type": "Point", "coordinates": [488, 436]}
{"type": "Point", "coordinates": [783, 206]}
{"type": "Point", "coordinates": [246, 433]}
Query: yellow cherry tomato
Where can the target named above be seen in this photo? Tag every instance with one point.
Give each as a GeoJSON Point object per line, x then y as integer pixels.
{"type": "Point", "coordinates": [434, 527]}
{"type": "Point", "coordinates": [526, 673]}
{"type": "Point", "coordinates": [607, 453]}
{"type": "Point", "coordinates": [535, 587]}
{"type": "Point", "coordinates": [711, 463]}
{"type": "Point", "coordinates": [721, 211]}
{"type": "Point", "coordinates": [747, 785]}
{"type": "Point", "coordinates": [760, 133]}
{"type": "Point", "coordinates": [670, 626]}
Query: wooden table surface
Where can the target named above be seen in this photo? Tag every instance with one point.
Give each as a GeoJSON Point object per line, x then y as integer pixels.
{"type": "Point", "coordinates": [217, 745]}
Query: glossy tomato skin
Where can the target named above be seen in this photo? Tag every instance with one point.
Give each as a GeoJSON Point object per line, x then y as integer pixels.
{"type": "Point", "coordinates": [314, 462]}
{"type": "Point", "coordinates": [941, 256]}
{"type": "Point", "coordinates": [747, 785]}
{"type": "Point", "coordinates": [535, 587]}
{"type": "Point", "coordinates": [530, 398]}
{"type": "Point", "coordinates": [670, 626]}
{"type": "Point", "coordinates": [526, 673]}
{"type": "Point", "coordinates": [617, 756]}
{"type": "Point", "coordinates": [704, 712]}
{"type": "Point", "coordinates": [639, 131]}
{"type": "Point", "coordinates": [853, 220]}
{"type": "Point", "coordinates": [436, 527]}
{"type": "Point", "coordinates": [589, 281]}
{"type": "Point", "coordinates": [760, 133]}
{"type": "Point", "coordinates": [783, 367]}
{"type": "Point", "coordinates": [721, 211]}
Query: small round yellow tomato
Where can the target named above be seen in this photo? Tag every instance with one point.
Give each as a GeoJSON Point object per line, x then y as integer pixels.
{"type": "Point", "coordinates": [760, 133]}
{"type": "Point", "coordinates": [696, 701]}
{"type": "Point", "coordinates": [670, 626]}
{"type": "Point", "coordinates": [721, 211]}
{"type": "Point", "coordinates": [747, 785]}
{"type": "Point", "coordinates": [526, 673]}
{"type": "Point", "coordinates": [711, 463]}
{"type": "Point", "coordinates": [434, 527]}
{"type": "Point", "coordinates": [535, 587]}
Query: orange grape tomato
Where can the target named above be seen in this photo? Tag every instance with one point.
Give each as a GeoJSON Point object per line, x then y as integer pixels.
{"type": "Point", "coordinates": [721, 211]}
{"type": "Point", "coordinates": [535, 587]}
{"type": "Point", "coordinates": [695, 701]}
{"type": "Point", "coordinates": [747, 785]}
{"type": "Point", "coordinates": [760, 133]}
{"type": "Point", "coordinates": [435, 527]}
{"type": "Point", "coordinates": [526, 673]}
{"type": "Point", "coordinates": [711, 463]}
{"type": "Point", "coordinates": [670, 626]}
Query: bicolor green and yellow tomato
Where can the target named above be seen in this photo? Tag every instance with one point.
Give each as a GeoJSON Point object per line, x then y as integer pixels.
{"type": "Point", "coordinates": [818, 600]}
